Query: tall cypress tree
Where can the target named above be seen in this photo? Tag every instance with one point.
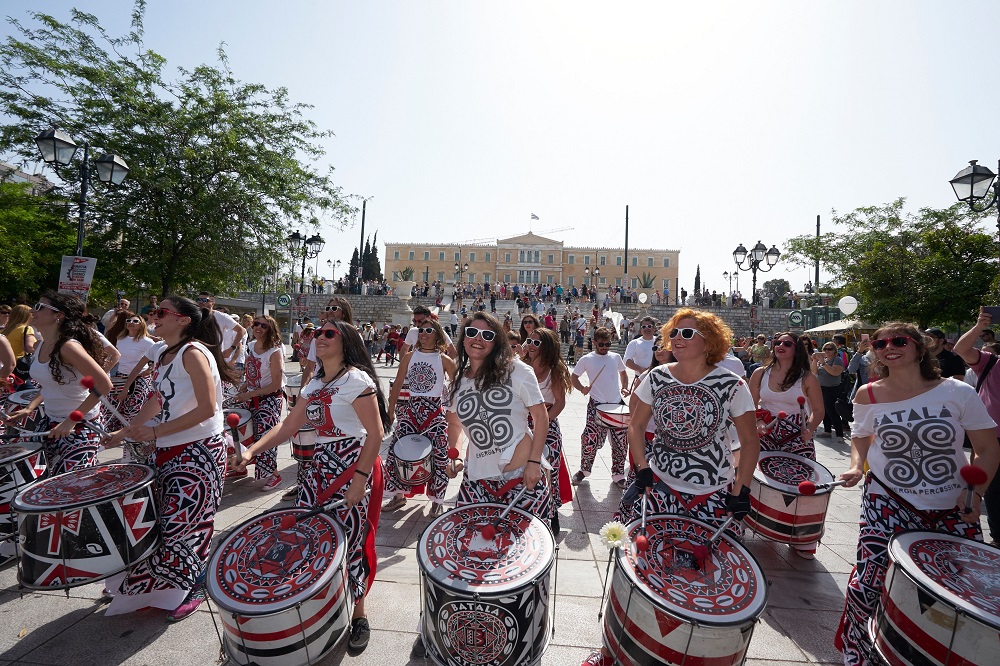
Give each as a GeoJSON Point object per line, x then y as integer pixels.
{"type": "Point", "coordinates": [697, 281]}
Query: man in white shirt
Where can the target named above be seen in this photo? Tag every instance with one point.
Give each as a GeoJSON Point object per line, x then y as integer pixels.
{"type": "Point", "coordinates": [608, 382]}
{"type": "Point", "coordinates": [226, 323]}
{"type": "Point", "coordinates": [110, 315]}
{"type": "Point", "coordinates": [639, 353]}
{"type": "Point", "coordinates": [420, 314]}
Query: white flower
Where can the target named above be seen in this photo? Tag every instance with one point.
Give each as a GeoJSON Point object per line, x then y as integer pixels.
{"type": "Point", "coordinates": [614, 535]}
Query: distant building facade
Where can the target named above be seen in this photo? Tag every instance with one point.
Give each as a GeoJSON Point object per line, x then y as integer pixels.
{"type": "Point", "coordinates": [533, 259]}
{"type": "Point", "coordinates": [12, 174]}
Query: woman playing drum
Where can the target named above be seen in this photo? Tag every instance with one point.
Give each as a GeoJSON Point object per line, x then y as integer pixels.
{"type": "Point", "coordinates": [490, 402]}
{"type": "Point", "coordinates": [190, 460]}
{"type": "Point", "coordinates": [345, 405]}
{"type": "Point", "coordinates": [261, 393]}
{"type": "Point", "coordinates": [909, 427]}
{"type": "Point", "coordinates": [71, 350]}
{"type": "Point", "coordinates": [776, 387]}
{"type": "Point", "coordinates": [133, 342]}
{"type": "Point", "coordinates": [423, 370]}
{"type": "Point", "coordinates": [552, 374]}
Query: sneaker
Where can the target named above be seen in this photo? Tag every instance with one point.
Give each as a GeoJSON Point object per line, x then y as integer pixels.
{"type": "Point", "coordinates": [597, 658]}
{"type": "Point", "coordinates": [235, 474]}
{"type": "Point", "coordinates": [291, 493]}
{"type": "Point", "coordinates": [273, 482]}
{"type": "Point", "coordinates": [436, 509]}
{"type": "Point", "coordinates": [577, 478]}
{"type": "Point", "coordinates": [190, 605]}
{"type": "Point", "coordinates": [397, 502]}
{"type": "Point", "coordinates": [360, 633]}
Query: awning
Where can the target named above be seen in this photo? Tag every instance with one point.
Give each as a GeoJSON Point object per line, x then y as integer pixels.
{"type": "Point", "coordinates": [842, 325]}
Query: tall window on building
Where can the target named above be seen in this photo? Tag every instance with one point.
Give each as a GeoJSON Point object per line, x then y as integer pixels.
{"type": "Point", "coordinates": [603, 260]}
{"type": "Point", "coordinates": [520, 257]}
{"type": "Point", "coordinates": [618, 281]}
{"type": "Point", "coordinates": [411, 255]}
{"type": "Point", "coordinates": [569, 281]}
{"type": "Point", "coordinates": [486, 278]}
{"type": "Point", "coordinates": [550, 279]}
{"type": "Point", "coordinates": [427, 256]}
{"type": "Point", "coordinates": [618, 262]}
{"type": "Point", "coordinates": [666, 283]}
{"type": "Point", "coordinates": [458, 257]}
{"type": "Point", "coordinates": [572, 259]}
{"type": "Point", "coordinates": [635, 283]}
{"type": "Point", "coordinates": [440, 276]}
{"type": "Point", "coordinates": [471, 278]}
{"type": "Point", "coordinates": [507, 261]}
{"type": "Point", "coordinates": [538, 256]}
{"type": "Point", "coordinates": [649, 262]}
{"type": "Point", "coordinates": [552, 258]}
{"type": "Point", "coordinates": [635, 261]}
{"type": "Point", "coordinates": [586, 260]}
{"type": "Point", "coordinates": [489, 256]}
{"type": "Point", "coordinates": [506, 277]}
{"type": "Point", "coordinates": [472, 257]}
{"type": "Point", "coordinates": [666, 262]}
{"type": "Point", "coordinates": [440, 256]}
{"type": "Point", "coordinates": [395, 255]}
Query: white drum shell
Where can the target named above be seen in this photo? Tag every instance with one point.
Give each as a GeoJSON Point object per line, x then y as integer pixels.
{"type": "Point", "coordinates": [413, 459]}
{"type": "Point", "coordinates": [614, 416]}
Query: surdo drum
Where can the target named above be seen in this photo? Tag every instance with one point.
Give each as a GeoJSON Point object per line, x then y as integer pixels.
{"type": "Point", "coordinates": [304, 444]}
{"type": "Point", "coordinates": [293, 385]}
{"type": "Point", "coordinates": [20, 400]}
{"type": "Point", "coordinates": [485, 603]}
{"type": "Point", "coordinates": [614, 416]}
{"type": "Point", "coordinates": [85, 525]}
{"type": "Point", "coordinates": [777, 510]}
{"type": "Point", "coordinates": [666, 608]}
{"type": "Point", "coordinates": [413, 465]}
{"type": "Point", "coordinates": [284, 593]}
{"type": "Point", "coordinates": [941, 602]}
{"type": "Point", "coordinates": [21, 464]}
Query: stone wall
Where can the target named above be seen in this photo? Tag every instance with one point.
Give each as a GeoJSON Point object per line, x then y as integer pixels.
{"type": "Point", "coordinates": [389, 309]}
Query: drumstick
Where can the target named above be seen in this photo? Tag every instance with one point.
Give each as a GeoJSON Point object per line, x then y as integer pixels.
{"type": "Point", "coordinates": [770, 426]}
{"type": "Point", "coordinates": [233, 420]}
{"type": "Point", "coordinates": [453, 456]}
{"type": "Point", "coordinates": [808, 488]}
{"type": "Point", "coordinates": [77, 417]}
{"type": "Point", "coordinates": [597, 375]}
{"type": "Point", "coordinates": [973, 476]}
{"type": "Point", "coordinates": [802, 413]}
{"type": "Point", "coordinates": [290, 520]}
{"type": "Point", "coordinates": [702, 551]}
{"type": "Point", "coordinates": [24, 434]}
{"type": "Point", "coordinates": [490, 531]}
{"type": "Point", "coordinates": [88, 383]}
{"type": "Point", "coordinates": [642, 541]}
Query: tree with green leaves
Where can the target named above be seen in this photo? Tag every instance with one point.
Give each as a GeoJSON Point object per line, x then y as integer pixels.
{"type": "Point", "coordinates": [221, 170]}
{"type": "Point", "coordinates": [697, 281]}
{"type": "Point", "coordinates": [36, 235]}
{"type": "Point", "coordinates": [930, 267]}
{"type": "Point", "coordinates": [779, 288]}
{"type": "Point", "coordinates": [371, 267]}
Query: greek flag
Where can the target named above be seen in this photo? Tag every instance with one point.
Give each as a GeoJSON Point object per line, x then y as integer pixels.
{"type": "Point", "coordinates": [534, 217]}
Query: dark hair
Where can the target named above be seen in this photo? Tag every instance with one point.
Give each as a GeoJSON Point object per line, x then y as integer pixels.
{"type": "Point", "coordinates": [347, 314]}
{"type": "Point", "coordinates": [929, 368]}
{"type": "Point", "coordinates": [440, 342]}
{"type": "Point", "coordinates": [271, 338]}
{"type": "Point", "coordinates": [602, 333]}
{"type": "Point", "coordinates": [76, 325]}
{"type": "Point", "coordinates": [658, 342]}
{"type": "Point", "coordinates": [496, 367]}
{"type": "Point", "coordinates": [839, 339]}
{"type": "Point", "coordinates": [422, 310]}
{"type": "Point", "coordinates": [356, 356]}
{"type": "Point", "coordinates": [202, 328]}
{"type": "Point", "coordinates": [551, 358]}
{"type": "Point", "coordinates": [523, 332]}
{"type": "Point", "coordinates": [800, 361]}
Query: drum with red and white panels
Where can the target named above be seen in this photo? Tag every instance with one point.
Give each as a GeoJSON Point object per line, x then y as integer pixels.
{"type": "Point", "coordinates": [940, 604]}
{"type": "Point", "coordinates": [22, 463]}
{"type": "Point", "coordinates": [666, 606]}
{"type": "Point", "coordinates": [85, 525]}
{"type": "Point", "coordinates": [778, 510]}
{"type": "Point", "coordinates": [304, 444]}
{"type": "Point", "coordinates": [20, 400]}
{"type": "Point", "coordinates": [244, 429]}
{"type": "Point", "coordinates": [412, 459]}
{"type": "Point", "coordinates": [485, 602]}
{"type": "Point", "coordinates": [614, 416]}
{"type": "Point", "coordinates": [283, 592]}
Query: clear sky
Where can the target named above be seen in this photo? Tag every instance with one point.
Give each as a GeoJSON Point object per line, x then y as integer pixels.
{"type": "Point", "coordinates": [718, 123]}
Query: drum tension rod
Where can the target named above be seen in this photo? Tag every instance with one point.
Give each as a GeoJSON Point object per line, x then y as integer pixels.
{"type": "Point", "coordinates": [555, 589]}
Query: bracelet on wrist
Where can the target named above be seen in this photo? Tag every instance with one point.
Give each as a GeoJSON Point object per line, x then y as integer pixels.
{"type": "Point", "coordinates": [364, 474]}
{"type": "Point", "coordinates": [537, 462]}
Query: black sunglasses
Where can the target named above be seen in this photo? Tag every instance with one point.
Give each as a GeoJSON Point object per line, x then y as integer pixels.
{"type": "Point", "coordinates": [261, 324]}
{"type": "Point", "coordinates": [784, 343]}
{"type": "Point", "coordinates": [898, 342]}
{"type": "Point", "coordinates": [472, 331]}
{"type": "Point", "coordinates": [328, 333]}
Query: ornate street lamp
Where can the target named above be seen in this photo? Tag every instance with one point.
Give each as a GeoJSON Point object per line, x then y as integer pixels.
{"type": "Point", "coordinates": [309, 249]}
{"type": "Point", "coordinates": [460, 269]}
{"type": "Point", "coordinates": [973, 183]}
{"type": "Point", "coordinates": [753, 260]}
{"type": "Point", "coordinates": [58, 147]}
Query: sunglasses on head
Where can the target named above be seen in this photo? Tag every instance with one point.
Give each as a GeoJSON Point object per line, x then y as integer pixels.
{"type": "Point", "coordinates": [333, 308]}
{"type": "Point", "coordinates": [686, 333]}
{"type": "Point", "coordinates": [784, 343]}
{"type": "Point", "coordinates": [328, 333]}
{"type": "Point", "coordinates": [898, 341]}
{"type": "Point", "coordinates": [533, 342]}
{"type": "Point", "coordinates": [39, 305]}
{"type": "Point", "coordinates": [162, 312]}
{"type": "Point", "coordinates": [426, 329]}
{"type": "Point", "coordinates": [261, 324]}
{"type": "Point", "coordinates": [472, 331]}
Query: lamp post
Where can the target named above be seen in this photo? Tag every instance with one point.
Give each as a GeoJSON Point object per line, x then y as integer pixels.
{"type": "Point", "coordinates": [57, 147]}
{"type": "Point", "coordinates": [460, 269]}
{"type": "Point", "coordinates": [309, 249]}
{"type": "Point", "coordinates": [973, 183]}
{"type": "Point", "coordinates": [333, 266]}
{"type": "Point", "coordinates": [753, 260]}
{"type": "Point", "coordinates": [726, 275]}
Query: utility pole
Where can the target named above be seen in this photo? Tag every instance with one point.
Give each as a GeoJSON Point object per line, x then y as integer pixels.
{"type": "Point", "coordinates": [361, 246]}
{"type": "Point", "coordinates": [626, 285]}
{"type": "Point", "coordinates": [816, 281]}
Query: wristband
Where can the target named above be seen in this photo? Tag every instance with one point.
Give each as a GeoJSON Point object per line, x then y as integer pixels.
{"type": "Point", "coordinates": [537, 462]}
{"type": "Point", "coordinates": [364, 474]}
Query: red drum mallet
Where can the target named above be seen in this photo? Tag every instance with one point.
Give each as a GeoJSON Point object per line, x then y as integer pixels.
{"type": "Point", "coordinates": [973, 476]}
{"type": "Point", "coordinates": [802, 412]}
{"type": "Point", "coordinates": [290, 520]}
{"type": "Point", "coordinates": [453, 456]}
{"type": "Point", "coordinates": [808, 488]}
{"type": "Point", "coordinates": [233, 420]}
{"type": "Point", "coordinates": [88, 383]}
{"type": "Point", "coordinates": [489, 531]}
{"type": "Point", "coordinates": [76, 416]}
{"type": "Point", "coordinates": [642, 541]}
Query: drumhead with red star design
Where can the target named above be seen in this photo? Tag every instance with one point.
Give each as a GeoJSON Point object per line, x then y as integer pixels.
{"type": "Point", "coordinates": [785, 471]}
{"type": "Point", "coordinates": [83, 487]}
{"type": "Point", "coordinates": [260, 568]}
{"type": "Point", "coordinates": [454, 554]}
{"type": "Point", "coordinates": [728, 589]}
{"type": "Point", "coordinates": [963, 572]}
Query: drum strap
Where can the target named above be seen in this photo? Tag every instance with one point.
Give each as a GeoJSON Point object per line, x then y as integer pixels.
{"type": "Point", "coordinates": [337, 484]}
{"type": "Point", "coordinates": [695, 499]}
{"type": "Point", "coordinates": [930, 515]}
{"type": "Point", "coordinates": [256, 399]}
{"type": "Point", "coordinates": [423, 426]}
{"type": "Point", "coordinates": [502, 490]}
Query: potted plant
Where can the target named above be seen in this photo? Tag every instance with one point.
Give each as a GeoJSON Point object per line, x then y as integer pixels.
{"type": "Point", "coordinates": [647, 285]}
{"type": "Point", "coordinates": [404, 285]}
